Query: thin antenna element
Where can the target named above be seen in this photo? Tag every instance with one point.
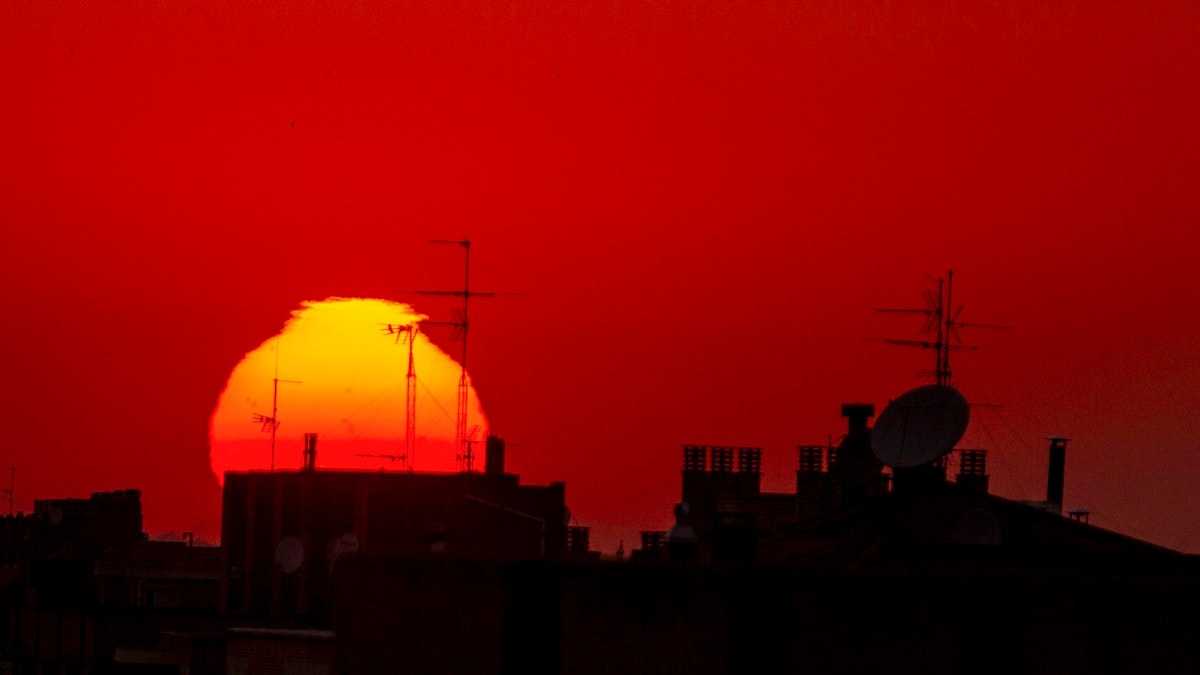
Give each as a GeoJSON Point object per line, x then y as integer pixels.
{"type": "Point", "coordinates": [408, 333]}
{"type": "Point", "coordinates": [462, 325]}
{"type": "Point", "coordinates": [943, 323]}
{"type": "Point", "coordinates": [468, 452]}
{"type": "Point", "coordinates": [272, 423]}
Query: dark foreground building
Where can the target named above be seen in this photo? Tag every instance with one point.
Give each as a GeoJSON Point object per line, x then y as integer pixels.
{"type": "Point", "coordinates": [284, 531]}
{"type": "Point", "coordinates": [84, 591]}
{"type": "Point", "coordinates": [859, 570]}
{"type": "Point", "coordinates": [974, 611]}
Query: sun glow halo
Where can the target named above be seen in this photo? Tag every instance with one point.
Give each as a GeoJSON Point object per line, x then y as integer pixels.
{"type": "Point", "coordinates": [343, 377]}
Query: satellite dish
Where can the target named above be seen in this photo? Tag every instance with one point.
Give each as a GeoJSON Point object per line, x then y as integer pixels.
{"type": "Point", "coordinates": [56, 515]}
{"type": "Point", "coordinates": [920, 426]}
{"type": "Point", "coordinates": [289, 553]}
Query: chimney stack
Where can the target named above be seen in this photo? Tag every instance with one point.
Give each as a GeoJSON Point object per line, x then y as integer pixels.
{"type": "Point", "coordinates": [1057, 473]}
{"type": "Point", "coordinates": [310, 452]}
{"type": "Point", "coordinates": [857, 414]}
{"type": "Point", "coordinates": [493, 456]}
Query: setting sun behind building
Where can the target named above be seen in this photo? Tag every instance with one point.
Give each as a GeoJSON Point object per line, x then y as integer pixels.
{"type": "Point", "coordinates": [342, 376]}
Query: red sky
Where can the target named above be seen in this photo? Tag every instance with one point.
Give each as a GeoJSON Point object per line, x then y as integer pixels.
{"type": "Point", "coordinates": [703, 204]}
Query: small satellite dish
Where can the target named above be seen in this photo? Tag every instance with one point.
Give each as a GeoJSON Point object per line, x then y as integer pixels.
{"type": "Point", "coordinates": [920, 426]}
{"type": "Point", "coordinates": [56, 515]}
{"type": "Point", "coordinates": [289, 553]}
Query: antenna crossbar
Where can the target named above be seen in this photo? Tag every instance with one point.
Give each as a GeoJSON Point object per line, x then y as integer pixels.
{"type": "Point", "coordinates": [943, 323]}
{"type": "Point", "coordinates": [461, 325]}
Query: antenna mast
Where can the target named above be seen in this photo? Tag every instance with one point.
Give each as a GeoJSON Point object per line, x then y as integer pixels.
{"type": "Point", "coordinates": [272, 423]}
{"type": "Point", "coordinates": [942, 321]}
{"type": "Point", "coordinates": [407, 333]}
{"type": "Point", "coordinates": [462, 325]}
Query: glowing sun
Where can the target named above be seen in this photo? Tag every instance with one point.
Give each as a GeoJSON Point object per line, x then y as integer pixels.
{"type": "Point", "coordinates": [335, 370]}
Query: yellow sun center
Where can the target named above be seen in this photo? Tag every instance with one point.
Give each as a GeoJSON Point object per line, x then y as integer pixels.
{"type": "Point", "coordinates": [336, 371]}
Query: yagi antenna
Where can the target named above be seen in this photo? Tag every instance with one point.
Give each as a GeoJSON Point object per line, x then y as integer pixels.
{"type": "Point", "coordinates": [390, 458]}
{"type": "Point", "coordinates": [942, 323]}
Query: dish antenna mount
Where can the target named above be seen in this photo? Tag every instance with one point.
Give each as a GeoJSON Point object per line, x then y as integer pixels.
{"type": "Point", "coordinates": [920, 426]}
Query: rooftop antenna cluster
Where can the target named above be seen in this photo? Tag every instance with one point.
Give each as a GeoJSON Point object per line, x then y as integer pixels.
{"type": "Point", "coordinates": [461, 324]}
{"type": "Point", "coordinates": [921, 426]}
{"type": "Point", "coordinates": [941, 321]}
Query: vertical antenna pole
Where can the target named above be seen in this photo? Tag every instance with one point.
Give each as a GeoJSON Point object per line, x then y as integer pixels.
{"type": "Point", "coordinates": [272, 421]}
{"type": "Point", "coordinates": [410, 404]}
{"type": "Point", "coordinates": [275, 403]}
{"type": "Point", "coordinates": [947, 317]}
{"type": "Point", "coordinates": [274, 413]}
{"type": "Point", "coordinates": [463, 325]}
{"type": "Point", "coordinates": [461, 427]}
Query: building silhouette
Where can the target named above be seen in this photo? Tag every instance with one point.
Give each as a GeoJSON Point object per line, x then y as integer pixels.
{"type": "Point", "coordinates": [860, 569]}
{"type": "Point", "coordinates": [84, 591]}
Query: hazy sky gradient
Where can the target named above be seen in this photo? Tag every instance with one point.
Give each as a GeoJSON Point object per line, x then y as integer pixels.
{"type": "Point", "coordinates": [703, 203]}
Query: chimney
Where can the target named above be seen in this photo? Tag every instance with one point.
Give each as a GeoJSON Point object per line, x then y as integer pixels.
{"type": "Point", "coordinates": [858, 414]}
{"type": "Point", "coordinates": [310, 452]}
{"type": "Point", "coordinates": [493, 456]}
{"type": "Point", "coordinates": [811, 480]}
{"type": "Point", "coordinates": [749, 476]}
{"type": "Point", "coordinates": [722, 460]}
{"type": "Point", "coordinates": [1054, 478]}
{"type": "Point", "coordinates": [697, 486]}
{"type": "Point", "coordinates": [972, 470]}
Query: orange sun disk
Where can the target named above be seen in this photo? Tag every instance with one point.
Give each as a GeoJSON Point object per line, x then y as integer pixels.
{"type": "Point", "coordinates": [342, 376]}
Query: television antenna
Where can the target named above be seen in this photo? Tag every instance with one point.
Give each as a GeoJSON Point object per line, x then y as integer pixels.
{"type": "Point", "coordinates": [942, 322]}
{"type": "Point", "coordinates": [388, 457]}
{"type": "Point", "coordinates": [467, 459]}
{"type": "Point", "coordinates": [462, 324]}
{"type": "Point", "coordinates": [408, 333]}
{"type": "Point", "coordinates": [271, 423]}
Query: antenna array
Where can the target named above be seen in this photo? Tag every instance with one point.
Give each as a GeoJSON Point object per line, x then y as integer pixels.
{"type": "Point", "coordinates": [941, 321]}
{"type": "Point", "coordinates": [461, 325]}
